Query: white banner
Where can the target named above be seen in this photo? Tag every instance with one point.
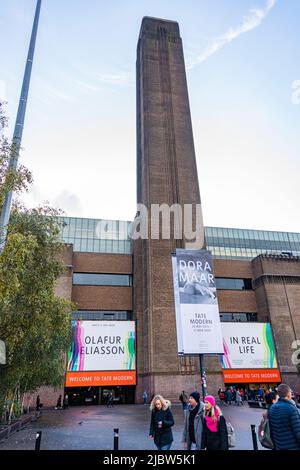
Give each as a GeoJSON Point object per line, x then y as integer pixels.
{"type": "Point", "coordinates": [177, 306]}
{"type": "Point", "coordinates": [102, 345]}
{"type": "Point", "coordinates": [197, 319]}
{"type": "Point", "coordinates": [248, 346]}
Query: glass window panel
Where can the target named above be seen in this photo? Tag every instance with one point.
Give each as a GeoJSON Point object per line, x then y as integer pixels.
{"type": "Point", "coordinates": [77, 244]}
{"type": "Point", "coordinates": [108, 246]}
{"type": "Point", "coordinates": [90, 245]}
{"type": "Point", "coordinates": [128, 247]}
{"type": "Point", "coordinates": [83, 244]}
{"type": "Point", "coordinates": [97, 246]}
{"type": "Point", "coordinates": [72, 228]}
{"type": "Point", "coordinates": [90, 279]}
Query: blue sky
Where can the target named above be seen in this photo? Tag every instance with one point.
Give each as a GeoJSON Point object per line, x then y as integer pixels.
{"type": "Point", "coordinates": [242, 60]}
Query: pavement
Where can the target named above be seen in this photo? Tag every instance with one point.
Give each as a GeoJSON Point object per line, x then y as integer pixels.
{"type": "Point", "coordinates": [91, 428]}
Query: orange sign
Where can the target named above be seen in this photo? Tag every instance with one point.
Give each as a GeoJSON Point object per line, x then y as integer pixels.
{"type": "Point", "coordinates": [251, 375]}
{"type": "Point", "coordinates": [82, 379]}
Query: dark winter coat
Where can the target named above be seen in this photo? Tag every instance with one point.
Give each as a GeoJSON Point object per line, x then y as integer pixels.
{"type": "Point", "coordinates": [162, 436]}
{"type": "Point", "coordinates": [198, 427]}
{"type": "Point", "coordinates": [215, 440]}
{"type": "Point", "coordinates": [284, 419]}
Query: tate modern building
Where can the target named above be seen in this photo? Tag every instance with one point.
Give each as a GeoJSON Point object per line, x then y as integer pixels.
{"type": "Point", "coordinates": [124, 337]}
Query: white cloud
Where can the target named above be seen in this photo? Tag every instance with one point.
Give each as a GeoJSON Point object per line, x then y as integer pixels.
{"type": "Point", "coordinates": [252, 20]}
{"type": "Point", "coordinates": [68, 202]}
{"type": "Point", "coordinates": [65, 200]}
{"type": "Point", "coordinates": [88, 86]}
{"type": "Point", "coordinates": [121, 78]}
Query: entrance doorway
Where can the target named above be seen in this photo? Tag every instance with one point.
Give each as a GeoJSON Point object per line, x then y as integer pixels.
{"type": "Point", "coordinates": [98, 395]}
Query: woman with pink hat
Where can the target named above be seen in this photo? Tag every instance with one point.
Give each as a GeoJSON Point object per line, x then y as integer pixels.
{"type": "Point", "coordinates": [214, 426]}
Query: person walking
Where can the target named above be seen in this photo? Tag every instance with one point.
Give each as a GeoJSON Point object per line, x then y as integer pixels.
{"type": "Point", "coordinates": [145, 397]}
{"type": "Point", "coordinates": [58, 404]}
{"type": "Point", "coordinates": [193, 423]}
{"type": "Point", "coordinates": [238, 398]}
{"type": "Point", "coordinates": [161, 423]}
{"type": "Point", "coordinates": [184, 400]}
{"type": "Point", "coordinates": [228, 396]}
{"type": "Point", "coordinates": [110, 400]}
{"type": "Point", "coordinates": [214, 426]}
{"type": "Point", "coordinates": [66, 402]}
{"type": "Point", "coordinates": [38, 403]}
{"type": "Point", "coordinates": [264, 434]}
{"type": "Point", "coordinates": [284, 419]}
{"type": "Point", "coordinates": [221, 395]}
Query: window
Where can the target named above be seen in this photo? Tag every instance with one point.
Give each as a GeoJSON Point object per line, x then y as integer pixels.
{"type": "Point", "coordinates": [102, 315]}
{"type": "Point", "coordinates": [89, 279]}
{"type": "Point", "coordinates": [238, 317]}
{"type": "Point", "coordinates": [233, 284]}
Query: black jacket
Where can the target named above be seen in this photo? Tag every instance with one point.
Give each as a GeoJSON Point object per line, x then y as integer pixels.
{"type": "Point", "coordinates": [162, 436]}
{"type": "Point", "coordinates": [215, 440]}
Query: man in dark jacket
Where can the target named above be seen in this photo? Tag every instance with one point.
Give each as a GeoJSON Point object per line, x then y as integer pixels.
{"type": "Point", "coordinates": [193, 423]}
{"type": "Point", "coordinates": [284, 421]}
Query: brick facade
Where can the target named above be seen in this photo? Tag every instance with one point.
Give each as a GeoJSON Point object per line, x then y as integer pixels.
{"type": "Point", "coordinates": [277, 289]}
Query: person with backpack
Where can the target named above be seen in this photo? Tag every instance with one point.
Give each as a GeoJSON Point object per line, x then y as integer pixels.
{"type": "Point", "coordinates": [214, 435]}
{"type": "Point", "coordinates": [161, 423]}
{"type": "Point", "coordinates": [264, 435]}
{"type": "Point", "coordinates": [284, 419]}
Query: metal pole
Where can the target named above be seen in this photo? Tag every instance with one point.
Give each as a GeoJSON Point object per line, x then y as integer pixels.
{"type": "Point", "coordinates": [18, 131]}
{"type": "Point", "coordinates": [38, 438]}
{"type": "Point", "coordinates": [203, 375]}
{"type": "Point", "coordinates": [116, 439]}
{"type": "Point", "coordinates": [254, 437]}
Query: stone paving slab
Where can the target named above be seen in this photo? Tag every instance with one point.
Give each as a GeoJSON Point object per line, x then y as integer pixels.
{"type": "Point", "coordinates": [91, 428]}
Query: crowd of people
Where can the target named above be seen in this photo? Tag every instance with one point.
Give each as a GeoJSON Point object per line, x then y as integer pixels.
{"type": "Point", "coordinates": [205, 427]}
{"type": "Point", "coordinates": [239, 395]}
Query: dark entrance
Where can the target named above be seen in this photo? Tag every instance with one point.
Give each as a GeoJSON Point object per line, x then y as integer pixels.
{"type": "Point", "coordinates": [98, 395]}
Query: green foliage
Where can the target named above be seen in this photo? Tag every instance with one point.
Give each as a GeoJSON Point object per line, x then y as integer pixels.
{"type": "Point", "coordinates": [10, 180]}
{"type": "Point", "coordinates": [34, 322]}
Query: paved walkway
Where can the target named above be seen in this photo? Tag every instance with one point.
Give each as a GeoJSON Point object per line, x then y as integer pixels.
{"type": "Point", "coordinates": [91, 428]}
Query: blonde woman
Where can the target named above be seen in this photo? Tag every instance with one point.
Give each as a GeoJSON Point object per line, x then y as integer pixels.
{"type": "Point", "coordinates": [214, 426]}
{"type": "Point", "coordinates": [161, 423]}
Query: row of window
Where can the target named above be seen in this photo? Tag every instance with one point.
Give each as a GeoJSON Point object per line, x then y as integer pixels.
{"type": "Point", "coordinates": [127, 315]}
{"type": "Point", "coordinates": [102, 315]}
{"type": "Point", "coordinates": [91, 279]}
{"type": "Point", "coordinates": [238, 317]}
{"type": "Point", "coordinates": [100, 246]}
{"type": "Point", "coordinates": [246, 234]}
{"type": "Point", "coordinates": [113, 236]}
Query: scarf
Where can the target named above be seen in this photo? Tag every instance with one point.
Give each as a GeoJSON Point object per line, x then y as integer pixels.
{"type": "Point", "coordinates": [211, 423]}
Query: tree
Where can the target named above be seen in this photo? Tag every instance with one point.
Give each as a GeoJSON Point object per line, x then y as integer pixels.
{"type": "Point", "coordinates": [10, 180]}
{"type": "Point", "coordinates": [34, 323]}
